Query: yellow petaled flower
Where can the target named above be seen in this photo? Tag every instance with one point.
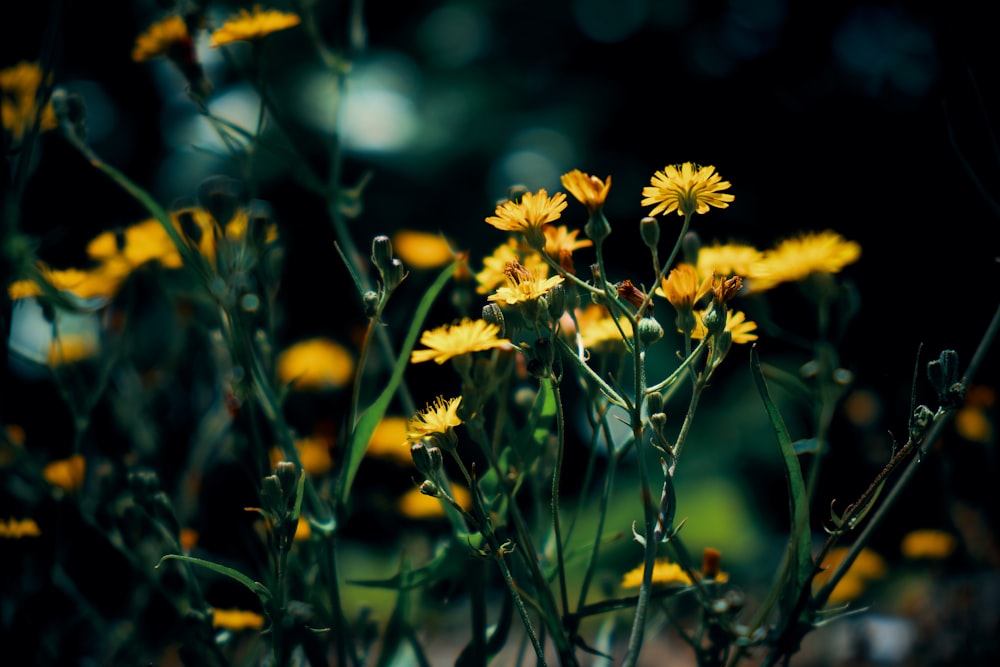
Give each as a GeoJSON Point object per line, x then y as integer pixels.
{"type": "Point", "coordinates": [389, 435]}
{"type": "Point", "coordinates": [492, 276]}
{"type": "Point", "coordinates": [67, 349]}
{"type": "Point", "coordinates": [142, 242]}
{"type": "Point", "coordinates": [422, 250]}
{"type": "Point", "coordinates": [928, 543]}
{"type": "Point", "coordinates": [687, 188]}
{"type": "Point", "coordinates": [440, 417]}
{"type": "Point", "coordinates": [737, 324]}
{"type": "Point", "coordinates": [188, 539]}
{"type": "Point", "coordinates": [597, 327]}
{"type": "Point", "coordinates": [254, 24]}
{"type": "Point", "coordinates": [812, 252]}
{"type": "Point", "coordinates": [589, 190]}
{"type": "Point", "coordinates": [416, 505]}
{"type": "Point", "coordinates": [681, 287]}
{"type": "Point", "coordinates": [314, 455]}
{"type": "Point", "coordinates": [664, 573]}
{"type": "Point", "coordinates": [523, 285]}
{"type": "Point", "coordinates": [453, 340]}
{"type": "Point", "coordinates": [529, 214]}
{"type": "Point", "coordinates": [17, 528]}
{"type": "Point", "coordinates": [316, 364]}
{"type": "Point", "coordinates": [868, 566]}
{"type": "Point", "coordinates": [161, 38]}
{"type": "Point", "coordinates": [303, 531]}
{"type": "Point", "coordinates": [67, 474]}
{"type": "Point", "coordinates": [236, 619]}
{"type": "Point", "coordinates": [19, 86]}
{"type": "Point", "coordinates": [560, 244]}
{"type": "Point", "coordinates": [103, 280]}
{"type": "Point", "coordinates": [731, 259]}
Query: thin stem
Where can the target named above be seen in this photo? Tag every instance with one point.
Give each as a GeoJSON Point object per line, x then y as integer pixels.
{"type": "Point", "coordinates": [556, 472]}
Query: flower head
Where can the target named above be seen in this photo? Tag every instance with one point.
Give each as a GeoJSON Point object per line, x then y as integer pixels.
{"type": "Point", "coordinates": [103, 280]}
{"type": "Point", "coordinates": [19, 86]}
{"type": "Point", "coordinates": [492, 276]}
{"type": "Point", "coordinates": [422, 250]}
{"type": "Point", "coordinates": [682, 287]}
{"type": "Point", "coordinates": [528, 214]}
{"type": "Point", "coordinates": [867, 567]}
{"type": "Point", "coordinates": [17, 528]}
{"type": "Point", "coordinates": [687, 189]}
{"type": "Point", "coordinates": [928, 543]}
{"type": "Point", "coordinates": [316, 364]}
{"type": "Point", "coordinates": [253, 25]}
{"type": "Point", "coordinates": [523, 285]}
{"type": "Point", "coordinates": [560, 243]}
{"type": "Point", "coordinates": [438, 418]}
{"type": "Point", "coordinates": [812, 252]}
{"type": "Point", "coordinates": [589, 190]}
{"type": "Point", "coordinates": [737, 324]}
{"type": "Point", "coordinates": [727, 259]}
{"type": "Point", "coordinates": [664, 573]}
{"type": "Point", "coordinates": [598, 329]}
{"type": "Point", "coordinates": [454, 340]}
{"type": "Point", "coordinates": [67, 474]}
{"type": "Point", "coordinates": [164, 37]}
{"type": "Point", "coordinates": [389, 435]}
{"type": "Point", "coordinates": [236, 619]}
{"type": "Point", "coordinates": [417, 505]}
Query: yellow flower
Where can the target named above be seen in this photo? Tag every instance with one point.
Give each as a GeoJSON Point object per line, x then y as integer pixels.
{"type": "Point", "coordinates": [523, 285]}
{"type": "Point", "coordinates": [597, 328]}
{"type": "Point", "coordinates": [236, 619]}
{"type": "Point", "coordinates": [17, 528]}
{"type": "Point", "coordinates": [687, 189]}
{"type": "Point", "coordinates": [560, 244]}
{"type": "Point", "coordinates": [416, 505]}
{"type": "Point", "coordinates": [316, 364]}
{"type": "Point", "coordinates": [388, 439]}
{"type": "Point", "coordinates": [19, 86]}
{"type": "Point", "coordinates": [454, 340]}
{"type": "Point", "coordinates": [728, 259]}
{"type": "Point", "coordinates": [529, 214]}
{"type": "Point", "coordinates": [142, 242]}
{"type": "Point", "coordinates": [664, 573]}
{"type": "Point", "coordinates": [103, 280]}
{"type": "Point", "coordinates": [67, 474]}
{"type": "Point", "coordinates": [439, 417]}
{"type": "Point", "coordinates": [812, 252]}
{"type": "Point", "coordinates": [589, 190]}
{"type": "Point", "coordinates": [492, 276]}
{"type": "Point", "coordinates": [303, 531]}
{"type": "Point", "coordinates": [421, 250]}
{"type": "Point", "coordinates": [681, 287]}
{"type": "Point", "coordinates": [253, 25]}
{"type": "Point", "coordinates": [68, 349]}
{"type": "Point", "coordinates": [868, 566]}
{"type": "Point", "coordinates": [313, 452]}
{"type": "Point", "coordinates": [161, 38]}
{"type": "Point", "coordinates": [736, 323]}
{"type": "Point", "coordinates": [928, 543]}
{"type": "Point", "coordinates": [188, 539]}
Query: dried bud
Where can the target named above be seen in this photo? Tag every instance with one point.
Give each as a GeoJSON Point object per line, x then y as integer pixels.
{"type": "Point", "coordinates": [632, 294]}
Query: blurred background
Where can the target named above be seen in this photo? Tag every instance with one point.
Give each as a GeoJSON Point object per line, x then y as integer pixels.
{"type": "Point", "coordinates": [874, 119]}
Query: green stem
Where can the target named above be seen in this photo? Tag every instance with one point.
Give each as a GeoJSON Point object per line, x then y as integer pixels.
{"type": "Point", "coordinates": [556, 472]}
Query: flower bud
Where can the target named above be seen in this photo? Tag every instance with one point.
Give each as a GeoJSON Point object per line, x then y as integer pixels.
{"type": "Point", "coordinates": [649, 228]}
{"type": "Point", "coordinates": [493, 314]}
{"type": "Point", "coordinates": [715, 319]}
{"type": "Point", "coordinates": [597, 228]}
{"type": "Point", "coordinates": [557, 301]}
{"type": "Point", "coordinates": [649, 330]}
{"type": "Point", "coordinates": [654, 402]}
{"type": "Point", "coordinates": [370, 301]}
{"type": "Point", "coordinates": [382, 253]}
{"type": "Point", "coordinates": [220, 196]}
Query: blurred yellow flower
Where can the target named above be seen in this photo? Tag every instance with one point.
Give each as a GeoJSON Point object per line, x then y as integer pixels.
{"type": "Point", "coordinates": [67, 474]}
{"type": "Point", "coordinates": [422, 250]}
{"type": "Point", "coordinates": [316, 364]}
{"type": "Point", "coordinates": [103, 280]}
{"type": "Point", "coordinates": [589, 190]}
{"type": "Point", "coordinates": [439, 417]}
{"type": "Point", "coordinates": [664, 573]}
{"type": "Point", "coordinates": [236, 619]}
{"type": "Point", "coordinates": [928, 543]}
{"type": "Point", "coordinates": [732, 259]}
{"type": "Point", "coordinates": [597, 328]}
{"type": "Point", "coordinates": [252, 25]}
{"type": "Point", "coordinates": [17, 528]}
{"type": "Point", "coordinates": [492, 276]}
{"type": "Point", "coordinates": [560, 243]}
{"type": "Point", "coordinates": [19, 86]}
{"type": "Point", "coordinates": [812, 252]}
{"type": "Point", "coordinates": [416, 505]}
{"type": "Point", "coordinates": [972, 421]}
{"type": "Point", "coordinates": [67, 349]}
{"type": "Point", "coordinates": [736, 323]}
{"type": "Point", "coordinates": [686, 188]}
{"type": "Point", "coordinates": [529, 214]}
{"type": "Point", "coordinates": [137, 244]}
{"type": "Point", "coordinates": [867, 567]}
{"type": "Point", "coordinates": [388, 439]}
{"type": "Point", "coordinates": [303, 531]}
{"type": "Point", "coordinates": [454, 340]}
{"type": "Point", "coordinates": [313, 453]}
{"type": "Point", "coordinates": [161, 38]}
{"type": "Point", "coordinates": [523, 285]}
{"type": "Point", "coordinates": [188, 539]}
{"type": "Point", "coordinates": [681, 287]}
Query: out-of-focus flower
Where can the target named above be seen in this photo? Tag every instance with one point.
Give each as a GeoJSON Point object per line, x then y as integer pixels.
{"type": "Point", "coordinates": [589, 190]}
{"type": "Point", "coordinates": [19, 86]}
{"type": "Point", "coordinates": [523, 285]}
{"type": "Point", "coordinates": [664, 573]}
{"type": "Point", "coordinates": [15, 529]}
{"type": "Point", "coordinates": [103, 280]}
{"type": "Point", "coordinates": [303, 531]}
{"type": "Point", "coordinates": [686, 188]}
{"type": "Point", "coordinates": [162, 38]}
{"type": "Point", "coordinates": [733, 259]}
{"type": "Point", "coordinates": [313, 454]}
{"type": "Point", "coordinates": [188, 539]}
{"type": "Point", "coordinates": [67, 474]}
{"type": "Point", "coordinates": [416, 505]}
{"type": "Point", "coordinates": [736, 323]}
{"type": "Point", "coordinates": [438, 418]}
{"type": "Point", "coordinates": [972, 421]}
{"type": "Point", "coordinates": [253, 25]}
{"type": "Point", "coordinates": [928, 543]}
{"type": "Point", "coordinates": [528, 214]}
{"type": "Point", "coordinates": [68, 349]}
{"type": "Point", "coordinates": [492, 276]}
{"type": "Point", "coordinates": [867, 567]}
{"type": "Point", "coordinates": [454, 340]}
{"type": "Point", "coordinates": [422, 250]}
{"type": "Point", "coordinates": [560, 243]}
{"type": "Point", "coordinates": [597, 328]}
{"type": "Point", "coordinates": [316, 364]}
{"type": "Point", "coordinates": [388, 439]}
{"type": "Point", "coordinates": [236, 619]}
{"type": "Point", "coordinates": [796, 258]}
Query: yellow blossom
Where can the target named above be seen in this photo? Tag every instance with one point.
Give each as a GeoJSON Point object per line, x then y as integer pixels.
{"type": "Point", "coordinates": [529, 214]}
{"type": "Point", "coordinates": [316, 364]}
{"type": "Point", "coordinates": [137, 244]}
{"type": "Point", "coordinates": [560, 243]}
{"type": "Point", "coordinates": [67, 474]}
{"type": "Point", "coordinates": [388, 439]}
{"type": "Point", "coordinates": [687, 189]}
{"type": "Point", "coordinates": [188, 539]}
{"type": "Point", "coordinates": [867, 567]}
{"type": "Point", "coordinates": [439, 417]}
{"type": "Point", "coordinates": [236, 619]}
{"type": "Point", "coordinates": [67, 349]}
{"type": "Point", "coordinates": [422, 250]}
{"type": "Point", "coordinates": [523, 285]}
{"type": "Point", "coordinates": [928, 543]}
{"type": "Point", "coordinates": [492, 276]}
{"type": "Point", "coordinates": [416, 505]}
{"type": "Point", "coordinates": [103, 280]}
{"type": "Point", "coordinates": [252, 25]}
{"type": "Point", "coordinates": [161, 38]}
{"type": "Point", "coordinates": [812, 252]}
{"type": "Point", "coordinates": [19, 86]}
{"type": "Point", "coordinates": [454, 340]}
{"type": "Point", "coordinates": [17, 528]}
{"type": "Point", "coordinates": [736, 323]}
{"type": "Point", "coordinates": [597, 327]}
{"type": "Point", "coordinates": [313, 453]}
{"type": "Point", "coordinates": [664, 573]}
{"type": "Point", "coordinates": [681, 287]}
{"type": "Point", "coordinates": [589, 190]}
{"type": "Point", "coordinates": [303, 531]}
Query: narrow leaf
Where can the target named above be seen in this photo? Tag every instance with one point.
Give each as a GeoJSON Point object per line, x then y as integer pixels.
{"type": "Point", "coordinates": [257, 588]}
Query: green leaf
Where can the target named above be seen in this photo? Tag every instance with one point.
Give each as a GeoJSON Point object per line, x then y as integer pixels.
{"type": "Point", "coordinates": [529, 442]}
{"type": "Point", "coordinates": [257, 588]}
{"type": "Point", "coordinates": [373, 415]}
{"type": "Point", "coordinates": [397, 626]}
